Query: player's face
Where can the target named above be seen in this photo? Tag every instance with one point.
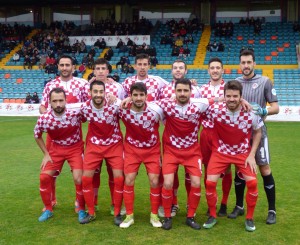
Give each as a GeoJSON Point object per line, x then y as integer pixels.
{"type": "Point", "coordinates": [142, 66]}
{"type": "Point", "coordinates": [98, 95]}
{"type": "Point", "coordinates": [101, 72]}
{"type": "Point", "coordinates": [183, 93]}
{"type": "Point", "coordinates": [215, 71]}
{"type": "Point", "coordinates": [66, 68]}
{"type": "Point", "coordinates": [232, 99]}
{"type": "Point", "coordinates": [138, 99]}
{"type": "Point", "coordinates": [247, 65]}
{"type": "Point", "coordinates": [178, 70]}
{"type": "Point", "coordinates": [58, 103]}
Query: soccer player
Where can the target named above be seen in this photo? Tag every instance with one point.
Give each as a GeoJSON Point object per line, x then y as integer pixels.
{"type": "Point", "coordinates": [142, 144]}
{"type": "Point", "coordinates": [101, 72]}
{"type": "Point", "coordinates": [76, 90]}
{"type": "Point", "coordinates": [64, 128]}
{"type": "Point", "coordinates": [154, 84]}
{"type": "Point", "coordinates": [104, 141]}
{"type": "Point", "coordinates": [179, 71]}
{"type": "Point", "coordinates": [181, 146]}
{"type": "Point", "coordinates": [214, 89]}
{"type": "Point", "coordinates": [233, 127]}
{"type": "Point", "coordinates": [257, 89]}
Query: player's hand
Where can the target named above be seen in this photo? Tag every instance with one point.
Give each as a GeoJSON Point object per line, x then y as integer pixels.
{"type": "Point", "coordinates": [194, 82]}
{"type": "Point", "coordinates": [258, 110]}
{"type": "Point", "coordinates": [124, 104]}
{"type": "Point", "coordinates": [111, 98]}
{"type": "Point", "coordinates": [46, 159]}
{"type": "Point", "coordinates": [246, 105]}
{"type": "Point", "coordinates": [92, 79]}
{"type": "Point", "coordinates": [252, 164]}
{"type": "Point", "coordinates": [110, 80]}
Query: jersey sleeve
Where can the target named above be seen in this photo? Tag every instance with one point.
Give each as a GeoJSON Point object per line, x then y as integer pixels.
{"type": "Point", "coordinates": [270, 92]}
{"type": "Point", "coordinates": [257, 122]}
{"type": "Point", "coordinates": [153, 106]}
{"type": "Point", "coordinates": [45, 95]}
{"type": "Point", "coordinates": [201, 103]}
{"type": "Point", "coordinates": [38, 129]}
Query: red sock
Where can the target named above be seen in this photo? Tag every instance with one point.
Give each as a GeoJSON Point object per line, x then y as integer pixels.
{"type": "Point", "coordinates": [251, 197]}
{"type": "Point", "coordinates": [53, 189]}
{"type": "Point", "coordinates": [167, 197]}
{"type": "Point", "coordinates": [175, 188]}
{"type": "Point", "coordinates": [226, 186]}
{"type": "Point", "coordinates": [128, 195]}
{"type": "Point", "coordinates": [161, 183]}
{"type": "Point", "coordinates": [187, 183]}
{"type": "Point", "coordinates": [155, 199]}
{"type": "Point", "coordinates": [111, 183]}
{"type": "Point", "coordinates": [45, 190]}
{"type": "Point", "coordinates": [118, 194]}
{"type": "Point", "coordinates": [211, 197]}
{"type": "Point", "coordinates": [80, 197]}
{"type": "Point", "coordinates": [193, 201]}
{"type": "Point", "coordinates": [87, 187]}
{"type": "Point", "coordinates": [96, 185]}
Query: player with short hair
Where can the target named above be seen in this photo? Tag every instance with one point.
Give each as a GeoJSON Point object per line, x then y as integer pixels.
{"type": "Point", "coordinates": [214, 89]}
{"type": "Point", "coordinates": [179, 71]}
{"type": "Point", "coordinates": [142, 144]}
{"type": "Point", "coordinates": [233, 127]}
{"type": "Point", "coordinates": [104, 141]}
{"type": "Point", "coordinates": [258, 89]}
{"type": "Point", "coordinates": [64, 128]}
{"type": "Point", "coordinates": [76, 90]}
{"type": "Point", "coordinates": [181, 146]}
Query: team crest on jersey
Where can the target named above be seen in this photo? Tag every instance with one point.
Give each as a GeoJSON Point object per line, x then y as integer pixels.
{"type": "Point", "coordinates": [254, 86]}
{"type": "Point", "coordinates": [273, 91]}
{"type": "Point", "coordinates": [109, 119]}
{"type": "Point", "coordinates": [76, 91]}
{"type": "Point", "coordinates": [146, 124]}
{"type": "Point", "coordinates": [151, 90]}
{"type": "Point", "coordinates": [242, 125]}
{"type": "Point", "coordinates": [73, 121]}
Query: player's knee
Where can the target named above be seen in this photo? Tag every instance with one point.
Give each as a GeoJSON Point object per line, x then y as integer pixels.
{"type": "Point", "coordinates": [265, 170]}
{"type": "Point", "coordinates": [45, 178]}
{"type": "Point", "coordinates": [86, 181]}
{"type": "Point", "coordinates": [252, 185]}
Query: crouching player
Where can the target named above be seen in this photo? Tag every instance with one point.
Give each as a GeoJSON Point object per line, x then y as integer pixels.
{"type": "Point", "coordinates": [231, 144]}
{"type": "Point", "coordinates": [64, 128]}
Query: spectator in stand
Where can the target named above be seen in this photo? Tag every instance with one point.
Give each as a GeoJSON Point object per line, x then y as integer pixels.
{"type": "Point", "coordinates": [16, 57]}
{"type": "Point", "coordinates": [82, 68]}
{"type": "Point", "coordinates": [181, 53]}
{"type": "Point", "coordinates": [90, 62]}
{"type": "Point", "coordinates": [28, 99]}
{"type": "Point", "coordinates": [187, 51]}
{"type": "Point", "coordinates": [120, 44]}
{"type": "Point", "coordinates": [214, 47]}
{"type": "Point", "coordinates": [27, 62]}
{"type": "Point", "coordinates": [97, 43]}
{"type": "Point", "coordinates": [109, 53]}
{"type": "Point", "coordinates": [92, 52]}
{"type": "Point", "coordinates": [35, 98]}
{"type": "Point", "coordinates": [153, 62]}
{"type": "Point", "coordinates": [179, 42]}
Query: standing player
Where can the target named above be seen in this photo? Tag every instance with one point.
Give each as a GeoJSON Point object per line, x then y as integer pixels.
{"type": "Point", "coordinates": [142, 144]}
{"type": "Point", "coordinates": [231, 144]}
{"type": "Point", "coordinates": [76, 90]}
{"type": "Point", "coordinates": [180, 146]}
{"type": "Point", "coordinates": [101, 72]}
{"type": "Point", "coordinates": [257, 89]}
{"type": "Point", "coordinates": [154, 84]}
{"type": "Point", "coordinates": [179, 70]}
{"type": "Point", "coordinates": [214, 89]}
{"type": "Point", "coordinates": [104, 141]}
{"type": "Point", "coordinates": [64, 128]}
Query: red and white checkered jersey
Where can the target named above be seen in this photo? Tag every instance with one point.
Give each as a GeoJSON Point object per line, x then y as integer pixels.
{"type": "Point", "coordinates": [209, 91]}
{"type": "Point", "coordinates": [142, 127]}
{"type": "Point", "coordinates": [77, 90]}
{"type": "Point", "coordinates": [154, 86]}
{"type": "Point", "coordinates": [232, 130]}
{"type": "Point", "coordinates": [104, 127]}
{"type": "Point", "coordinates": [116, 89]}
{"type": "Point", "coordinates": [64, 130]}
{"type": "Point", "coordinates": [182, 122]}
{"type": "Point", "coordinates": [169, 91]}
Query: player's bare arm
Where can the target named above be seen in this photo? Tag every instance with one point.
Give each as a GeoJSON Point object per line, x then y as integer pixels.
{"type": "Point", "coordinates": [42, 109]}
{"type": "Point", "coordinates": [273, 109]}
{"type": "Point", "coordinates": [40, 142]}
{"type": "Point", "coordinates": [251, 158]}
{"type": "Point", "coordinates": [124, 104]}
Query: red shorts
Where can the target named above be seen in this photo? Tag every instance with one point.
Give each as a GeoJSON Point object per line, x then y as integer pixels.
{"type": "Point", "coordinates": [134, 156]}
{"type": "Point", "coordinates": [219, 162]}
{"type": "Point", "coordinates": [94, 154]}
{"type": "Point", "coordinates": [190, 158]}
{"type": "Point", "coordinates": [206, 144]}
{"type": "Point", "coordinates": [72, 154]}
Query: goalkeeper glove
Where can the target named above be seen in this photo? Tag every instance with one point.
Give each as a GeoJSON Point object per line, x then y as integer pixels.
{"type": "Point", "coordinates": [258, 110]}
